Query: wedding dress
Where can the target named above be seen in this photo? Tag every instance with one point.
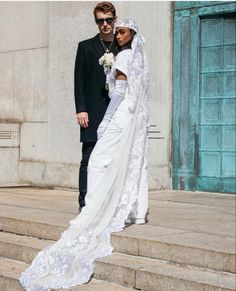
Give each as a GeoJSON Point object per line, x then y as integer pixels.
{"type": "Point", "coordinates": [117, 185]}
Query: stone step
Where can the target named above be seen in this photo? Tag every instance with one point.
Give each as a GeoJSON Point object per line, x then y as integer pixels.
{"type": "Point", "coordinates": [98, 285]}
{"type": "Point", "coordinates": [209, 213]}
{"type": "Point", "coordinates": [36, 212]}
{"type": "Point", "coordinates": [154, 274]}
{"type": "Point", "coordinates": [202, 250]}
{"type": "Point", "coordinates": [19, 247]}
{"type": "Point", "coordinates": [135, 273]}
{"type": "Point", "coordinates": [184, 229]}
{"type": "Point", "coordinates": [10, 271]}
{"type": "Point", "coordinates": [181, 246]}
{"type": "Point", "coordinates": [185, 247]}
{"type": "Point", "coordinates": [40, 223]}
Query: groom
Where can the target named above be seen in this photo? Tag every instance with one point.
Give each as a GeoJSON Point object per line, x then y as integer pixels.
{"type": "Point", "coordinates": [91, 97]}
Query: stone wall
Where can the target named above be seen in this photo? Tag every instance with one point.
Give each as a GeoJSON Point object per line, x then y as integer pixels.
{"type": "Point", "coordinates": [23, 86]}
{"type": "Point", "coordinates": [38, 42]}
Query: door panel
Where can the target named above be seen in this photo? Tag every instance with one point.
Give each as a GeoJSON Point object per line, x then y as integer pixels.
{"type": "Point", "coordinates": [217, 105]}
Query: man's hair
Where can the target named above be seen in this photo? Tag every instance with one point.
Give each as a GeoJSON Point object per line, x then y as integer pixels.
{"type": "Point", "coordinates": [104, 7]}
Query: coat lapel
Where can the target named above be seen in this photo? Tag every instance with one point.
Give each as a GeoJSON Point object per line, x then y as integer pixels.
{"type": "Point", "coordinates": [97, 45]}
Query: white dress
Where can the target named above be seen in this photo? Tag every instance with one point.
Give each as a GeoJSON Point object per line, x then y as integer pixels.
{"type": "Point", "coordinates": [117, 189]}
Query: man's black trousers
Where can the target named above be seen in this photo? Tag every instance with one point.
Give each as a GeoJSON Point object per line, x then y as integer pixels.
{"type": "Point", "coordinates": [87, 149]}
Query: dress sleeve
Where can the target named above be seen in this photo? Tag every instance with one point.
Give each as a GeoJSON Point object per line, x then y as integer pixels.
{"type": "Point", "coordinates": [122, 61]}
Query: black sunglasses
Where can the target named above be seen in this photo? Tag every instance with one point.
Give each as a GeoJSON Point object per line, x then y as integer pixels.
{"type": "Point", "coordinates": [101, 20]}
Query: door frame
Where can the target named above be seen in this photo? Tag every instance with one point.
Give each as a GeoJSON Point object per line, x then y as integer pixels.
{"type": "Point", "coordinates": [185, 133]}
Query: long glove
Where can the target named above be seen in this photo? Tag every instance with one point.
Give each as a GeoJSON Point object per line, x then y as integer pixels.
{"type": "Point", "coordinates": [116, 95]}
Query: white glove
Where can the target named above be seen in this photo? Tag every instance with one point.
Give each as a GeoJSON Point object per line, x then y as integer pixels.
{"type": "Point", "coordinates": [116, 95]}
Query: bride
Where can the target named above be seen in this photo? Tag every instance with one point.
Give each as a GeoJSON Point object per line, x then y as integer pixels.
{"type": "Point", "coordinates": [117, 174]}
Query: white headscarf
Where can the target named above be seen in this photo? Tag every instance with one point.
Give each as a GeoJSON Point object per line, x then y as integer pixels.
{"type": "Point", "coordinates": [127, 22]}
{"type": "Point", "coordinates": [131, 24]}
{"type": "Point", "coordinates": [136, 45]}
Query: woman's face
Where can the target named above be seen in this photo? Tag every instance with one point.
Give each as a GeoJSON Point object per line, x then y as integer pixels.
{"type": "Point", "coordinates": [123, 35]}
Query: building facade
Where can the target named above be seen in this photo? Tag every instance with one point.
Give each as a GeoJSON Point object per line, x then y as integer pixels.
{"type": "Point", "coordinates": [190, 47]}
{"type": "Point", "coordinates": [39, 137]}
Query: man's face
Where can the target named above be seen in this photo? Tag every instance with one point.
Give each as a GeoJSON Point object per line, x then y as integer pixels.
{"type": "Point", "coordinates": [105, 22]}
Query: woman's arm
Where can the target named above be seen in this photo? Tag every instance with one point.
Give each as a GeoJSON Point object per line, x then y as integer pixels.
{"type": "Point", "coordinates": [120, 75]}
{"type": "Point", "coordinates": [117, 95]}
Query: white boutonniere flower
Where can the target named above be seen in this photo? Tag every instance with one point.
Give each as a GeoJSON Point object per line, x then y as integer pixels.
{"type": "Point", "coordinates": [107, 60]}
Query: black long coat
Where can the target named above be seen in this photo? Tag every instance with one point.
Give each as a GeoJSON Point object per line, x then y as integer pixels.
{"type": "Point", "coordinates": [89, 86]}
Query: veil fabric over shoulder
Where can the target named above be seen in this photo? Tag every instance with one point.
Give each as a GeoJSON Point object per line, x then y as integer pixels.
{"type": "Point", "coordinates": [116, 171]}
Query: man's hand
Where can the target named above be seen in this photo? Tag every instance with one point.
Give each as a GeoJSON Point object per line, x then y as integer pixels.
{"type": "Point", "coordinates": [82, 119]}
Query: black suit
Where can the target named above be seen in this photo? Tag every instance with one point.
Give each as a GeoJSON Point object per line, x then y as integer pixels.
{"type": "Point", "coordinates": [90, 93]}
{"type": "Point", "coordinates": [91, 97]}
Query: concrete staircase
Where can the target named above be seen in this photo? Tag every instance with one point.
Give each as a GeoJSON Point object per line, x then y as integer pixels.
{"type": "Point", "coordinates": [188, 244]}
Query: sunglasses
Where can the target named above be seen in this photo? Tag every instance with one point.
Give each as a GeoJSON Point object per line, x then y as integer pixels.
{"type": "Point", "coordinates": [101, 20]}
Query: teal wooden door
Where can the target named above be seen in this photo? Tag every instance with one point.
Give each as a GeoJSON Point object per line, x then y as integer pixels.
{"type": "Point", "coordinates": [217, 105]}
{"type": "Point", "coordinates": [204, 89]}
